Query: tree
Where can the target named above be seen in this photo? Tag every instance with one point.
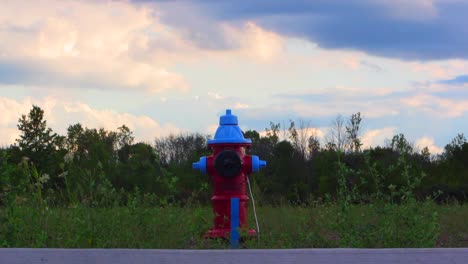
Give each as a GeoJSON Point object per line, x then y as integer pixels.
{"type": "Point", "coordinates": [400, 144]}
{"type": "Point", "coordinates": [263, 146]}
{"type": "Point", "coordinates": [313, 145]}
{"type": "Point", "coordinates": [253, 135]}
{"type": "Point", "coordinates": [354, 124]}
{"type": "Point", "coordinates": [140, 168]}
{"type": "Point", "coordinates": [35, 136]}
{"type": "Point", "coordinates": [38, 142]}
{"type": "Point", "coordinates": [300, 137]}
{"type": "Point", "coordinates": [337, 135]}
{"type": "Point", "coordinates": [180, 149]}
{"type": "Point", "coordinates": [73, 136]}
{"type": "Point", "coordinates": [426, 154]}
{"type": "Point", "coordinates": [91, 163]}
{"type": "Point", "coordinates": [124, 136]}
{"type": "Point", "coordinates": [454, 165]}
{"type": "Point", "coordinates": [272, 133]}
{"type": "Point", "coordinates": [455, 145]}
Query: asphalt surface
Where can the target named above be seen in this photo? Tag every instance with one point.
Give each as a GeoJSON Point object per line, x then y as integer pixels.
{"type": "Point", "coordinates": [271, 256]}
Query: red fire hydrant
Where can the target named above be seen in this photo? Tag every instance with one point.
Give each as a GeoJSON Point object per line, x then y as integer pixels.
{"type": "Point", "coordinates": [229, 167]}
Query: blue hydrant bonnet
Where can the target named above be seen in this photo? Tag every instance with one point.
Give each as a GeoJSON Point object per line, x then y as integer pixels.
{"type": "Point", "coordinates": [229, 131]}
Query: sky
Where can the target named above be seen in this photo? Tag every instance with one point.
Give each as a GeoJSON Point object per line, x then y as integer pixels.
{"type": "Point", "coordinates": [174, 66]}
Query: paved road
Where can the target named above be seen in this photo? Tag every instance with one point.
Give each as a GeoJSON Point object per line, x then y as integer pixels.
{"type": "Point", "coordinates": [272, 256]}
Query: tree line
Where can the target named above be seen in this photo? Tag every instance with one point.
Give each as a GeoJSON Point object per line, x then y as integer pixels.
{"type": "Point", "coordinates": [96, 167]}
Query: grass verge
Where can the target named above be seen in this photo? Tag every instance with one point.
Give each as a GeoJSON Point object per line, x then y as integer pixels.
{"type": "Point", "coordinates": [422, 224]}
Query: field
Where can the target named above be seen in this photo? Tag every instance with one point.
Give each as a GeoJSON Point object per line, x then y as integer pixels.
{"type": "Point", "coordinates": [418, 224]}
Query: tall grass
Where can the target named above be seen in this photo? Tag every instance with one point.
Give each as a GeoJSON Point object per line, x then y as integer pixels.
{"type": "Point", "coordinates": [321, 226]}
{"type": "Point", "coordinates": [392, 217]}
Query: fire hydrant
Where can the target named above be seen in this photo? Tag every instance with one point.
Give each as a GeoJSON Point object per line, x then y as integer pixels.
{"type": "Point", "coordinates": [229, 167]}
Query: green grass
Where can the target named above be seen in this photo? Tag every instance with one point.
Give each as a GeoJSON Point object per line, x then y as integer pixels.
{"type": "Point", "coordinates": [370, 226]}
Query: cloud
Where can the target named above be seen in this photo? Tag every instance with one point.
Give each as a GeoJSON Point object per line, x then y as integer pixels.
{"type": "Point", "coordinates": [86, 44]}
{"type": "Point", "coordinates": [312, 131]}
{"type": "Point", "coordinates": [116, 45]}
{"type": "Point", "coordinates": [60, 114]}
{"type": "Point", "coordinates": [215, 95]}
{"type": "Point", "coordinates": [240, 106]}
{"type": "Point", "coordinates": [443, 107]}
{"type": "Point", "coordinates": [461, 79]}
{"type": "Point", "coordinates": [372, 66]}
{"type": "Point", "coordinates": [440, 70]}
{"type": "Point", "coordinates": [8, 136]}
{"type": "Point", "coordinates": [377, 137]}
{"type": "Point", "coordinates": [211, 129]}
{"type": "Point", "coordinates": [429, 143]}
{"type": "Point", "coordinates": [255, 41]}
{"type": "Point", "coordinates": [371, 102]}
{"type": "Point", "coordinates": [414, 30]}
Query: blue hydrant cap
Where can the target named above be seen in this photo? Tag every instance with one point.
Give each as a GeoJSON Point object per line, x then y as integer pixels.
{"type": "Point", "coordinates": [257, 163]}
{"type": "Point", "coordinates": [228, 119]}
{"type": "Point", "coordinates": [200, 165]}
{"type": "Point", "coordinates": [228, 131]}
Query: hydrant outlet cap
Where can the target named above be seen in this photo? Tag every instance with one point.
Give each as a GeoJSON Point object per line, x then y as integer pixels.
{"type": "Point", "coordinates": [257, 163]}
{"type": "Point", "coordinates": [200, 165]}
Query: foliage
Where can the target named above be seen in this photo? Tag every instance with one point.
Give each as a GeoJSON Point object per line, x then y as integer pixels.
{"type": "Point", "coordinates": [88, 163]}
{"type": "Point", "coordinates": [73, 190]}
{"type": "Point", "coordinates": [352, 129]}
{"type": "Point", "coordinates": [39, 145]}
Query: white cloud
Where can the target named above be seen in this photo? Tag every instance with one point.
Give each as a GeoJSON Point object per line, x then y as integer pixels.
{"type": "Point", "coordinates": [376, 108]}
{"type": "Point", "coordinates": [429, 143]}
{"type": "Point", "coordinates": [8, 135]}
{"type": "Point", "coordinates": [377, 137]}
{"type": "Point", "coordinates": [112, 44]}
{"type": "Point", "coordinates": [440, 70]}
{"type": "Point", "coordinates": [215, 95]}
{"type": "Point", "coordinates": [353, 61]}
{"type": "Point", "coordinates": [444, 107]}
{"type": "Point", "coordinates": [88, 43]}
{"type": "Point", "coordinates": [119, 44]}
{"type": "Point", "coordinates": [11, 110]}
{"type": "Point", "coordinates": [240, 106]}
{"type": "Point", "coordinates": [211, 129]}
{"type": "Point", "coordinates": [60, 114]}
{"type": "Point", "coordinates": [255, 41]}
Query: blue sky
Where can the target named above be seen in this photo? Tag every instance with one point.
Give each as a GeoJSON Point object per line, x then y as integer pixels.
{"type": "Point", "coordinates": [164, 67]}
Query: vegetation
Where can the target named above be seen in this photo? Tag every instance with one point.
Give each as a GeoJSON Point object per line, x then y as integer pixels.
{"type": "Point", "coordinates": [80, 189]}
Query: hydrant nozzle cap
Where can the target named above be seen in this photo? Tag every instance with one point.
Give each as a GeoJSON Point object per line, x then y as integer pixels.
{"type": "Point", "coordinates": [200, 165]}
{"type": "Point", "coordinates": [228, 118]}
{"type": "Point", "coordinates": [257, 163]}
